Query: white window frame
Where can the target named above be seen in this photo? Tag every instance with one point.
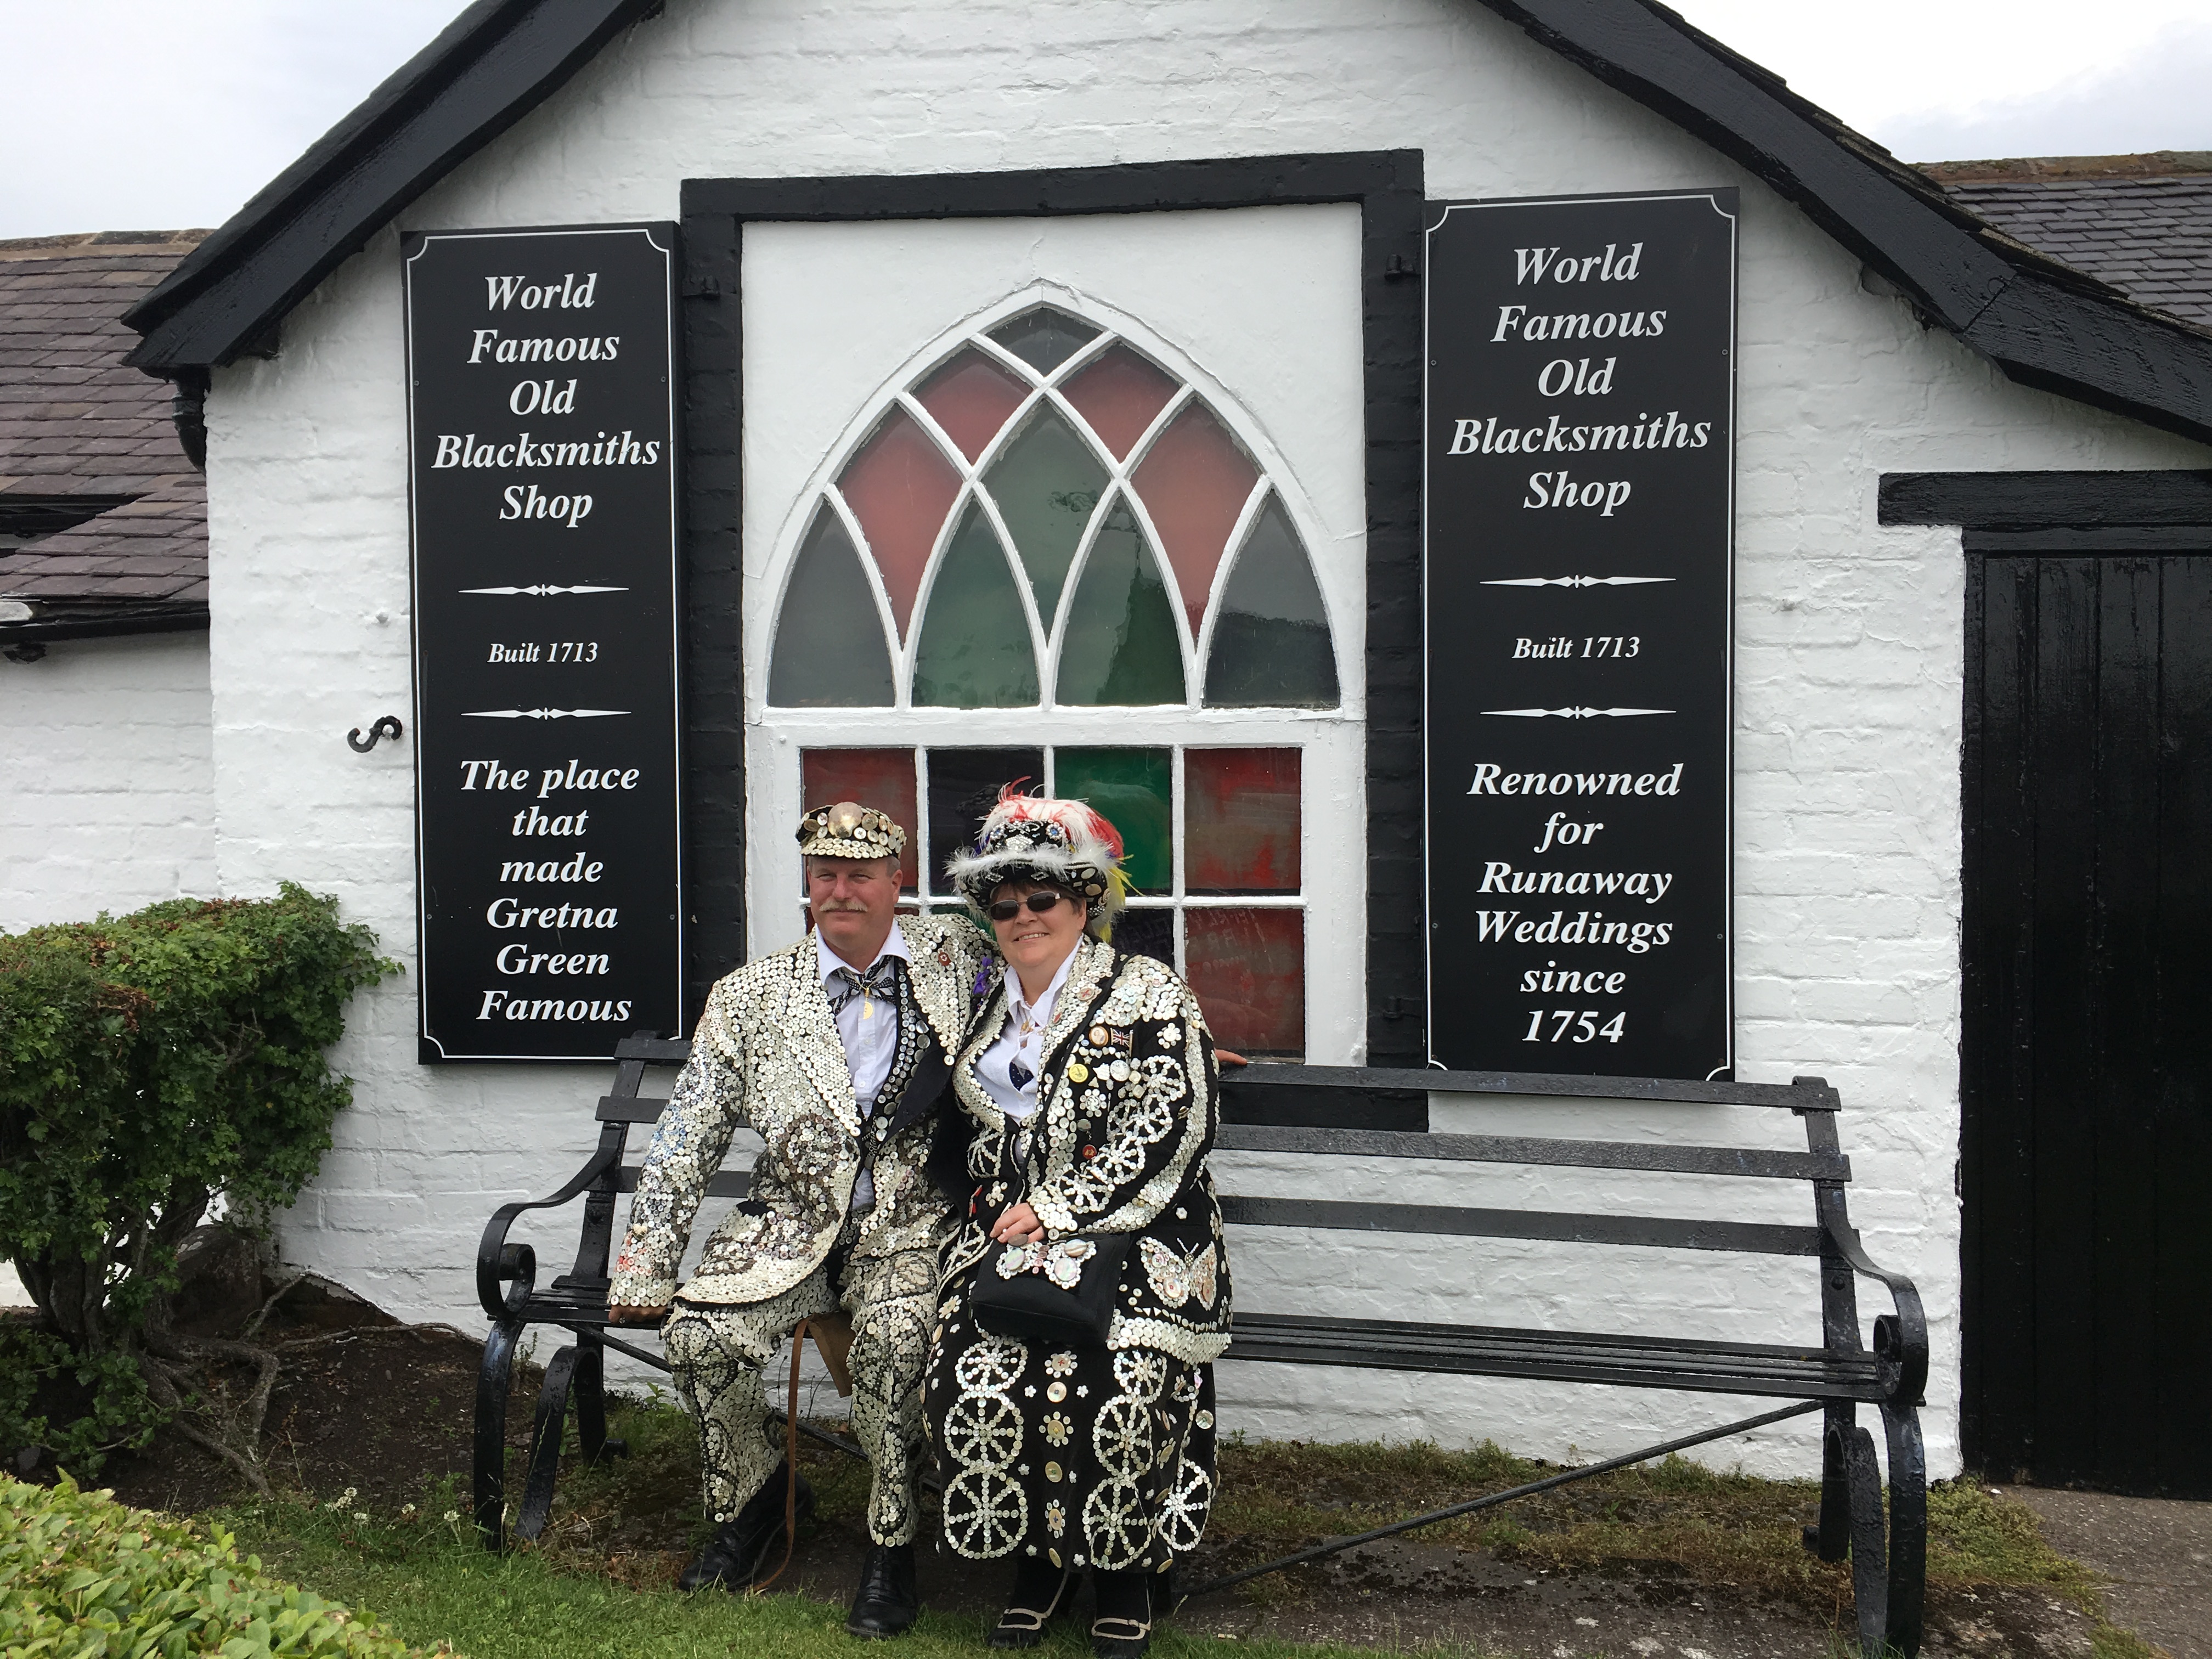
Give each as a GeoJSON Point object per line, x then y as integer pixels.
{"type": "Point", "coordinates": [1332, 742]}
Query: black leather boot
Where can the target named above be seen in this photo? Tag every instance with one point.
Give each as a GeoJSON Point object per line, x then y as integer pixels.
{"type": "Point", "coordinates": [887, 1604]}
{"type": "Point", "coordinates": [748, 1547]}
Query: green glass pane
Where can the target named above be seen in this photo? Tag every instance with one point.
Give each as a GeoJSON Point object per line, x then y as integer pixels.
{"type": "Point", "coordinates": [974, 650]}
{"type": "Point", "coordinates": [1044, 339]}
{"type": "Point", "coordinates": [829, 651]}
{"type": "Point", "coordinates": [1045, 483]}
{"type": "Point", "coordinates": [1135, 789]}
{"type": "Point", "coordinates": [1271, 643]}
{"type": "Point", "coordinates": [1122, 645]}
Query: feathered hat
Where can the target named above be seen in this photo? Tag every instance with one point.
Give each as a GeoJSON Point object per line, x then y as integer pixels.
{"type": "Point", "coordinates": [1053, 843]}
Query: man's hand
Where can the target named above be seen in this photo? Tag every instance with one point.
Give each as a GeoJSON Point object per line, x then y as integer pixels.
{"type": "Point", "coordinates": [1019, 1225]}
{"type": "Point", "coordinates": [621, 1313]}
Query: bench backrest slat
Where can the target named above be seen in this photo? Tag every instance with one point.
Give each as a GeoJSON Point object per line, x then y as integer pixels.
{"type": "Point", "coordinates": [1753, 1237]}
{"type": "Point", "coordinates": [1522, 1149]}
{"type": "Point", "coordinates": [1801, 1095]}
{"type": "Point", "coordinates": [654, 1051]}
{"type": "Point", "coordinates": [629, 1108]}
{"type": "Point", "coordinates": [726, 1183]}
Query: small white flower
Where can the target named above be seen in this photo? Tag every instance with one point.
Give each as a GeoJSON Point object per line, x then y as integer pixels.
{"type": "Point", "coordinates": [452, 1514]}
{"type": "Point", "coordinates": [361, 1516]}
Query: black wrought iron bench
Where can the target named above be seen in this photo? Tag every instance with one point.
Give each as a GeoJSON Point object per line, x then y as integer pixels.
{"type": "Point", "coordinates": [1292, 1109]}
{"type": "Point", "coordinates": [1835, 1375]}
{"type": "Point", "coordinates": [575, 1301]}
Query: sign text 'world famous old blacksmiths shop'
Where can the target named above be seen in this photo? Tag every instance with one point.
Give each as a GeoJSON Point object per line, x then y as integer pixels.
{"type": "Point", "coordinates": [541, 382]}
{"type": "Point", "coordinates": [1580, 425]}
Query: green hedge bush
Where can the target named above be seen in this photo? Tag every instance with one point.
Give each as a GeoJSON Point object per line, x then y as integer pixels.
{"type": "Point", "coordinates": [152, 1065]}
{"type": "Point", "coordinates": [83, 1577]}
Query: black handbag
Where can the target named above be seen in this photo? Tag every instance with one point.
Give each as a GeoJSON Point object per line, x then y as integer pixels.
{"type": "Point", "coordinates": [1060, 1292]}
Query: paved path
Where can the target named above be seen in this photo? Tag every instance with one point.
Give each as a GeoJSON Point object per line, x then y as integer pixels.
{"type": "Point", "coordinates": [2157, 1551]}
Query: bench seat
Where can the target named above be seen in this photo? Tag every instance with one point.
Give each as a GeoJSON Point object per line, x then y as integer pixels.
{"type": "Point", "coordinates": [1639, 1362]}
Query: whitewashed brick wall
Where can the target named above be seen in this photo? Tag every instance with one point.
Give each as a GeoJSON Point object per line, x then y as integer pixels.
{"type": "Point", "coordinates": [106, 778]}
{"type": "Point", "coordinates": [1850, 635]}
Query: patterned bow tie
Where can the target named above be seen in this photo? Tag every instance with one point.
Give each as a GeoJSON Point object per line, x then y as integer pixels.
{"type": "Point", "coordinates": [880, 981]}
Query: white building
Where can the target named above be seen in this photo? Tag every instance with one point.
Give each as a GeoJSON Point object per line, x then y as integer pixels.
{"type": "Point", "coordinates": [1930, 420]}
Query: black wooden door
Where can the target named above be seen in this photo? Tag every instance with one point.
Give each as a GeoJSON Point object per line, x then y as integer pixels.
{"type": "Point", "coordinates": [2087, 1151]}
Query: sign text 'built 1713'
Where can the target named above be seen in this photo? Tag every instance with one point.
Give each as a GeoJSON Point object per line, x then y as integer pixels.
{"type": "Point", "coordinates": [1580, 413]}
{"type": "Point", "coordinates": [541, 379]}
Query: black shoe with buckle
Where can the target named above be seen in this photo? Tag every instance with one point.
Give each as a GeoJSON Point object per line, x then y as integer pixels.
{"type": "Point", "coordinates": [1123, 1628]}
{"type": "Point", "coordinates": [887, 1604]}
{"type": "Point", "coordinates": [1041, 1591]}
{"type": "Point", "coordinates": [745, 1547]}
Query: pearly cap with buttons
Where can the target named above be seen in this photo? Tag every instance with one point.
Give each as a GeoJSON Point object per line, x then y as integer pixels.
{"type": "Point", "coordinates": [847, 829]}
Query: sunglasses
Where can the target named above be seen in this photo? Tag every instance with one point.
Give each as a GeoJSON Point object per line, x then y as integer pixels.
{"type": "Point", "coordinates": [1007, 909]}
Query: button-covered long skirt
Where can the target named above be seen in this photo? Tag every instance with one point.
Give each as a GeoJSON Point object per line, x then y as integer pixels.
{"type": "Point", "coordinates": [1086, 1455]}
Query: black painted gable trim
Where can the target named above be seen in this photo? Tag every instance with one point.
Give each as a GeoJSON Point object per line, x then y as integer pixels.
{"type": "Point", "coordinates": [1387, 185]}
{"type": "Point", "coordinates": [2038, 500]}
{"type": "Point", "coordinates": [487, 69]}
{"type": "Point", "coordinates": [2046, 324]}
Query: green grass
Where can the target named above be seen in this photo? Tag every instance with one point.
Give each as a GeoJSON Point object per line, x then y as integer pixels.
{"type": "Point", "coordinates": [424, 1577]}
{"type": "Point", "coordinates": [599, 1579]}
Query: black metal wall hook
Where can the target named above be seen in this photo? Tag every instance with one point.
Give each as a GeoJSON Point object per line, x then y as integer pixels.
{"type": "Point", "coordinates": [385, 727]}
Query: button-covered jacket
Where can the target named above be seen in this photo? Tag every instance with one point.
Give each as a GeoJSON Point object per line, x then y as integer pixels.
{"type": "Point", "coordinates": [767, 1055]}
{"type": "Point", "coordinates": [1128, 1094]}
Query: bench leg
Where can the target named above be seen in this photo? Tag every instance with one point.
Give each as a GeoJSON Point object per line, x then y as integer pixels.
{"type": "Point", "coordinates": [494, 1378]}
{"type": "Point", "coordinates": [546, 1432]}
{"type": "Point", "coordinates": [591, 1402]}
{"type": "Point", "coordinates": [1869, 1554]}
{"type": "Point", "coordinates": [1908, 1529]}
{"type": "Point", "coordinates": [1830, 1539]}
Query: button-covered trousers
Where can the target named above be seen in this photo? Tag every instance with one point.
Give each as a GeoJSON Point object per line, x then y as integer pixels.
{"type": "Point", "coordinates": [718, 1351]}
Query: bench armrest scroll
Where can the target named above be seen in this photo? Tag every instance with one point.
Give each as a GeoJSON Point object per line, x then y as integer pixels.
{"type": "Point", "coordinates": [499, 1262]}
{"type": "Point", "coordinates": [1901, 1339]}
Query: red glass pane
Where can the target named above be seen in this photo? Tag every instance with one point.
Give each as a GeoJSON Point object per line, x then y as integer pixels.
{"type": "Point", "coordinates": [970, 397]}
{"type": "Point", "coordinates": [1120, 395]}
{"type": "Point", "coordinates": [1248, 971]}
{"type": "Point", "coordinates": [1194, 481]}
{"type": "Point", "coordinates": [881, 778]}
{"type": "Point", "coordinates": [899, 487]}
{"type": "Point", "coordinates": [1241, 820]}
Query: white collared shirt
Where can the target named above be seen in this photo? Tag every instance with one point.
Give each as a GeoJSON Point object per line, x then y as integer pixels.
{"type": "Point", "coordinates": [1020, 1038]}
{"type": "Point", "coordinates": [868, 1026]}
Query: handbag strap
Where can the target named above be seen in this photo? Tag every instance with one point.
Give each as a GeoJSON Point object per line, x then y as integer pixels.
{"type": "Point", "coordinates": [759, 1587]}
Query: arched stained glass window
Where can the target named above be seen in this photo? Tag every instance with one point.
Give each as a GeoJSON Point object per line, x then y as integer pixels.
{"type": "Point", "coordinates": [1051, 516]}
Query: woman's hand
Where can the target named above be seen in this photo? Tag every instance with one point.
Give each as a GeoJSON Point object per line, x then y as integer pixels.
{"type": "Point", "coordinates": [626, 1313]}
{"type": "Point", "coordinates": [1018, 1225]}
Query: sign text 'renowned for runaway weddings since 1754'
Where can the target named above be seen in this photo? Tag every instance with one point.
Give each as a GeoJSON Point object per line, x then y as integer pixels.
{"type": "Point", "coordinates": [1580, 425]}
{"type": "Point", "coordinates": [542, 431]}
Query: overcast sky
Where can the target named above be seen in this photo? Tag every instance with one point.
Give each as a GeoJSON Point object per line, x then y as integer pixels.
{"type": "Point", "coordinates": [142, 114]}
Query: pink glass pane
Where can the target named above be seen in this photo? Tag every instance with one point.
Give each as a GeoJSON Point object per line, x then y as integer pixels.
{"type": "Point", "coordinates": [1194, 481]}
{"type": "Point", "coordinates": [1249, 969]}
{"type": "Point", "coordinates": [1119, 395]}
{"type": "Point", "coordinates": [881, 778]}
{"type": "Point", "coordinates": [1241, 820]}
{"type": "Point", "coordinates": [970, 397]}
{"type": "Point", "coordinates": [899, 487]}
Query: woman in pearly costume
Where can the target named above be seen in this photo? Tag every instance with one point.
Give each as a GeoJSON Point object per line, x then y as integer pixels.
{"type": "Point", "coordinates": [1088, 1088]}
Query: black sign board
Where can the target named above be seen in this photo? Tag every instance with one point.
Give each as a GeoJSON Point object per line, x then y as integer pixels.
{"type": "Point", "coordinates": [1580, 414]}
{"type": "Point", "coordinates": [542, 456]}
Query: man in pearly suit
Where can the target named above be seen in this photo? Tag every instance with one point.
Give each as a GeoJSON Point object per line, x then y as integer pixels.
{"type": "Point", "coordinates": [833, 1051]}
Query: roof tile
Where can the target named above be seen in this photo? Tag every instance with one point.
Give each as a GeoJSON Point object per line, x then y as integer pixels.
{"type": "Point", "coordinates": [74, 422]}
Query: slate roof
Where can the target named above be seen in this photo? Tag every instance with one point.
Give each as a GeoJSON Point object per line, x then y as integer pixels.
{"type": "Point", "coordinates": [2142, 223]}
{"type": "Point", "coordinates": [90, 466]}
